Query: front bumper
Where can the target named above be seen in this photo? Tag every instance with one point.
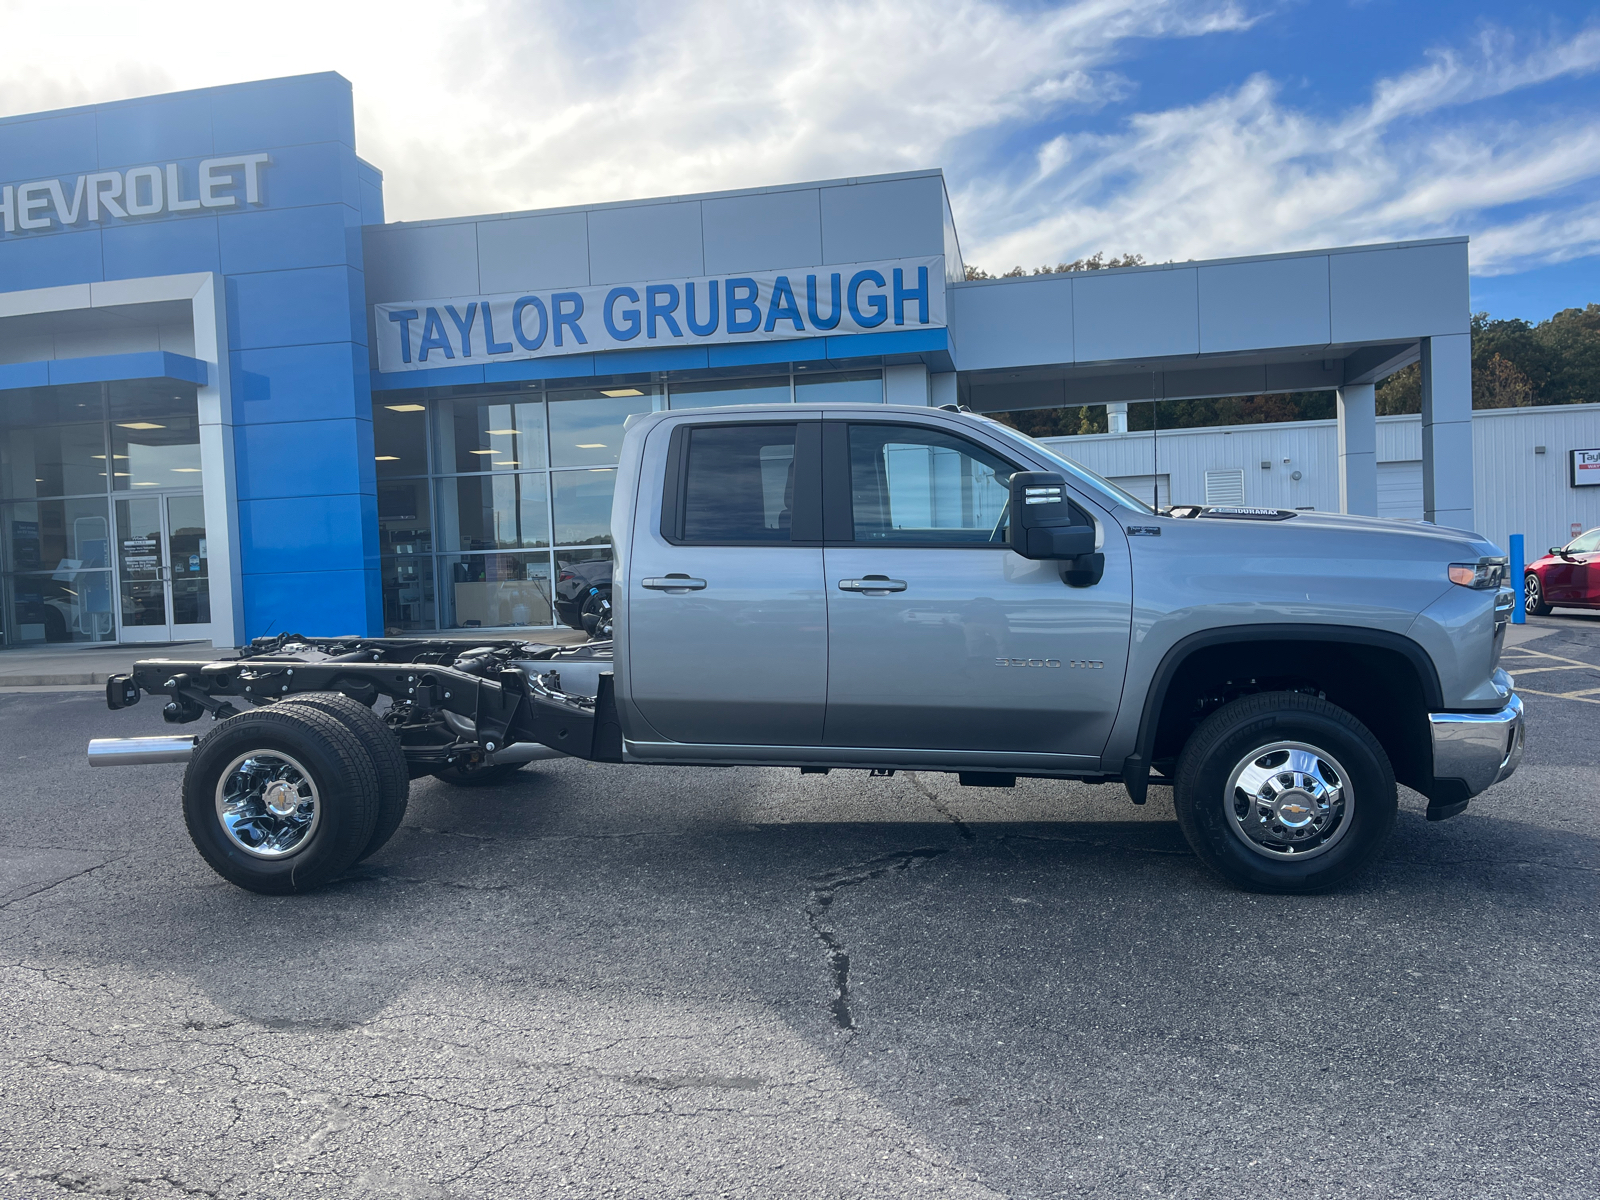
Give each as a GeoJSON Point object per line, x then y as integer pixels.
{"type": "Point", "coordinates": [1472, 752]}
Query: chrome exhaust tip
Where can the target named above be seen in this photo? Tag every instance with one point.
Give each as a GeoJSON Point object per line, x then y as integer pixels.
{"type": "Point", "coordinates": [141, 751]}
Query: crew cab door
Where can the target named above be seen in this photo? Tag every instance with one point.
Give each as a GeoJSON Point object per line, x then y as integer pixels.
{"type": "Point", "coordinates": [965, 645]}
{"type": "Point", "coordinates": [727, 627]}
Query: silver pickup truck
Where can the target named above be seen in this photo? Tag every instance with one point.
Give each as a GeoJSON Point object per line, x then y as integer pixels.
{"type": "Point", "coordinates": [890, 589]}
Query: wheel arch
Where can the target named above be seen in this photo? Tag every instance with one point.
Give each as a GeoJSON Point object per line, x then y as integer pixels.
{"type": "Point", "coordinates": [1395, 713]}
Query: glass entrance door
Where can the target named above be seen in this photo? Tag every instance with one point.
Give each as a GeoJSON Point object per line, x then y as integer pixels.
{"type": "Point", "coordinates": [162, 568]}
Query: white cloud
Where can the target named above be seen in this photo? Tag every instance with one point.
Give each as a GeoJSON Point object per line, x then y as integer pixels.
{"type": "Point", "coordinates": [1245, 173]}
{"type": "Point", "coordinates": [499, 105]}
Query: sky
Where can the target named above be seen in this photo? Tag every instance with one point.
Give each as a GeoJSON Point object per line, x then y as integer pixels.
{"type": "Point", "coordinates": [1175, 129]}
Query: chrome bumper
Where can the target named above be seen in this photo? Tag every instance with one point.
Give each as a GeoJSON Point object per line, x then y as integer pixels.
{"type": "Point", "coordinates": [1479, 749]}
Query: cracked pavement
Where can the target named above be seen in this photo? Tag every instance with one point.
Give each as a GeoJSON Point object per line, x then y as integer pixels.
{"type": "Point", "coordinates": [617, 981]}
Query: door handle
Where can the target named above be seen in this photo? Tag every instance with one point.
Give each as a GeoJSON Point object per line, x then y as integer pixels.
{"type": "Point", "coordinates": [673, 583]}
{"type": "Point", "coordinates": [872, 583]}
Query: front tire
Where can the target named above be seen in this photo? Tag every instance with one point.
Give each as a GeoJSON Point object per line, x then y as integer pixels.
{"type": "Point", "coordinates": [280, 799]}
{"type": "Point", "coordinates": [1283, 792]}
{"type": "Point", "coordinates": [1533, 590]}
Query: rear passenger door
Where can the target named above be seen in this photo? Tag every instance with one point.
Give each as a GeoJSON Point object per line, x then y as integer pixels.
{"type": "Point", "coordinates": [941, 638]}
{"type": "Point", "coordinates": [727, 626]}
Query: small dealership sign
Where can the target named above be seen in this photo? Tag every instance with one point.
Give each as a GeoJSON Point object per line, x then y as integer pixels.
{"type": "Point", "coordinates": [1585, 466]}
{"type": "Point", "coordinates": [762, 306]}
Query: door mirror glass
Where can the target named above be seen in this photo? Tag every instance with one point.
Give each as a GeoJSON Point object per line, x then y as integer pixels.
{"type": "Point", "coordinates": [1044, 524]}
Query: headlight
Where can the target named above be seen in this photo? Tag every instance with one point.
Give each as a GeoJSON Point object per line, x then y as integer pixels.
{"type": "Point", "coordinates": [1484, 574]}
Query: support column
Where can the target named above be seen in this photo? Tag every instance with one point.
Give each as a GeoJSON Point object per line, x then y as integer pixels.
{"type": "Point", "coordinates": [1117, 417]}
{"type": "Point", "coordinates": [942, 388]}
{"type": "Point", "coordinates": [1447, 430]}
{"type": "Point", "coordinates": [1358, 449]}
{"type": "Point", "coordinates": [906, 384]}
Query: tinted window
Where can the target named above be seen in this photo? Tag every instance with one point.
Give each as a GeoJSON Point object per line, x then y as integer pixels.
{"type": "Point", "coordinates": [922, 486]}
{"type": "Point", "coordinates": [1587, 544]}
{"type": "Point", "coordinates": [740, 483]}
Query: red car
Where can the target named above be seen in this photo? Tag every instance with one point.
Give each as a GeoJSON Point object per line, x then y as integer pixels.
{"type": "Point", "coordinates": [1569, 576]}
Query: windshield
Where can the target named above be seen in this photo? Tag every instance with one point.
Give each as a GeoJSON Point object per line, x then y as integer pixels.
{"type": "Point", "coordinates": [1082, 474]}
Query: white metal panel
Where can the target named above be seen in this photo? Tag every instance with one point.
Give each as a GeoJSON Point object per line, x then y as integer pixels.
{"type": "Point", "coordinates": [1018, 323]}
{"type": "Point", "coordinates": [1135, 314]}
{"type": "Point", "coordinates": [408, 262]}
{"type": "Point", "coordinates": [532, 253]}
{"type": "Point", "coordinates": [1256, 305]}
{"type": "Point", "coordinates": [766, 232]}
{"type": "Point", "coordinates": [1400, 490]}
{"type": "Point", "coordinates": [1401, 292]}
{"type": "Point", "coordinates": [1146, 487]}
{"type": "Point", "coordinates": [1187, 454]}
{"type": "Point", "coordinates": [1516, 489]}
{"type": "Point", "coordinates": [648, 241]}
{"type": "Point", "coordinates": [897, 218]}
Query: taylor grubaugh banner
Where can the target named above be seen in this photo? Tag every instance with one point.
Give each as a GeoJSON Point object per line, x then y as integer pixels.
{"type": "Point", "coordinates": [873, 297]}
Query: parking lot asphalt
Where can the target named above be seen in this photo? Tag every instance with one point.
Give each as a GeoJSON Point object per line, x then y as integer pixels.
{"type": "Point", "coordinates": [623, 981]}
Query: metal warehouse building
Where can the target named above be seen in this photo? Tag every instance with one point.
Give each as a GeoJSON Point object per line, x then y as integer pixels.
{"type": "Point", "coordinates": [233, 400]}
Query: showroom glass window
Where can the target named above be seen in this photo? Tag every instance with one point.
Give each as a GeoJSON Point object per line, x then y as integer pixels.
{"type": "Point", "coordinates": [71, 459]}
{"type": "Point", "coordinates": [495, 505]}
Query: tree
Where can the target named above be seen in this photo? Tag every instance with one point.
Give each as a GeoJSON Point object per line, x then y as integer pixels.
{"type": "Point", "coordinates": [1096, 262]}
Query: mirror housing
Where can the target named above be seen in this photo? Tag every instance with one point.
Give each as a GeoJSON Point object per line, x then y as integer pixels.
{"type": "Point", "coordinates": [1042, 520]}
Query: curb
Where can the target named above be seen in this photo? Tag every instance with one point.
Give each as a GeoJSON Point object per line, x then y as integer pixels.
{"type": "Point", "coordinates": [81, 679]}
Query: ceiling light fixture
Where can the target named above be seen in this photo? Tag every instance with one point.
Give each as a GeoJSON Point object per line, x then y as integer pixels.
{"type": "Point", "coordinates": [502, 432]}
{"type": "Point", "coordinates": [138, 425]}
{"type": "Point", "coordinates": [388, 458]}
{"type": "Point", "coordinates": [406, 407]}
{"type": "Point", "coordinates": [512, 463]}
{"type": "Point", "coordinates": [591, 445]}
{"type": "Point", "coordinates": [614, 392]}
{"type": "Point", "coordinates": [187, 470]}
{"type": "Point", "coordinates": [483, 452]}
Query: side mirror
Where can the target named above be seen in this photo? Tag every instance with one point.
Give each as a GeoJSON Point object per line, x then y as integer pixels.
{"type": "Point", "coordinates": [1559, 551]}
{"type": "Point", "coordinates": [1041, 518]}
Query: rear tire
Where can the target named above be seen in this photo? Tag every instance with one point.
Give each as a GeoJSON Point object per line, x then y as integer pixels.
{"type": "Point", "coordinates": [484, 776]}
{"type": "Point", "coordinates": [394, 779]}
{"type": "Point", "coordinates": [1534, 591]}
{"type": "Point", "coordinates": [1282, 792]}
{"type": "Point", "coordinates": [281, 799]}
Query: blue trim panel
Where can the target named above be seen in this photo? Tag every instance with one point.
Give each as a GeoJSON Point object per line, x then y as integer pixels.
{"type": "Point", "coordinates": [908, 341]}
{"type": "Point", "coordinates": [106, 368]}
{"type": "Point", "coordinates": [651, 358]}
{"type": "Point", "coordinates": [742, 354]}
{"type": "Point", "coordinates": [24, 375]}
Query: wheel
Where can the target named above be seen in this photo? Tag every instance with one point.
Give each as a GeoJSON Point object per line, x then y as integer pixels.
{"type": "Point", "coordinates": [596, 615]}
{"type": "Point", "coordinates": [1534, 592]}
{"type": "Point", "coordinates": [280, 799]}
{"type": "Point", "coordinates": [1282, 792]}
{"type": "Point", "coordinates": [394, 780]}
{"type": "Point", "coordinates": [462, 775]}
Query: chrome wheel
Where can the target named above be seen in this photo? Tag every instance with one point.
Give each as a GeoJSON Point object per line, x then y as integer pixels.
{"type": "Point", "coordinates": [267, 804]}
{"type": "Point", "coordinates": [1289, 800]}
{"type": "Point", "coordinates": [1534, 597]}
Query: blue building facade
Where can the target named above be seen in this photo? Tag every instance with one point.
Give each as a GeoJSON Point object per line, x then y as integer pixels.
{"type": "Point", "coordinates": [233, 400]}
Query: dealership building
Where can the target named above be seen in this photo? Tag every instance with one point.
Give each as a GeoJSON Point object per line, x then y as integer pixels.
{"type": "Point", "coordinates": [235, 401]}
